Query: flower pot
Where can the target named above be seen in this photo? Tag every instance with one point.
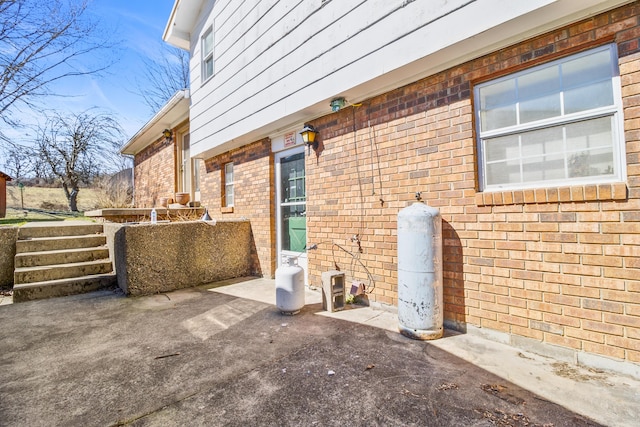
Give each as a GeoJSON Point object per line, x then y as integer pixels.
{"type": "Point", "coordinates": [182, 198]}
{"type": "Point", "coordinates": [164, 201]}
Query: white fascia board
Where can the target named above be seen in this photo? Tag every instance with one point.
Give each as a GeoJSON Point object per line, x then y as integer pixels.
{"type": "Point", "coordinates": [509, 23]}
{"type": "Point", "coordinates": [179, 39]}
{"type": "Point", "coordinates": [175, 111]}
{"type": "Point", "coordinates": [182, 19]}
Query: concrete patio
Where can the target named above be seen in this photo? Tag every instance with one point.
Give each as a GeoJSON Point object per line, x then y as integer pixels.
{"type": "Point", "coordinates": [223, 355]}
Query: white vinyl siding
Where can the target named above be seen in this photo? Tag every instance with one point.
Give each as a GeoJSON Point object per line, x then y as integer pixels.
{"type": "Point", "coordinates": [278, 63]}
{"type": "Point", "coordinates": [274, 57]}
{"type": "Point", "coordinates": [554, 124]}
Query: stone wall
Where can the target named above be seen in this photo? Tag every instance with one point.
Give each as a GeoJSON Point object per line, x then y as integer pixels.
{"type": "Point", "coordinates": [8, 237]}
{"type": "Point", "coordinates": [158, 258]}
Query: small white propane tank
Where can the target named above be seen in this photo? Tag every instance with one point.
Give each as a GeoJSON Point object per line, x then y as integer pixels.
{"type": "Point", "coordinates": [290, 287]}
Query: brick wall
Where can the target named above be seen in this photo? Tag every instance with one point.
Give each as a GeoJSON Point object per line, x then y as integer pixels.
{"type": "Point", "coordinates": [559, 265]}
{"type": "Point", "coordinates": [254, 197]}
{"type": "Point", "coordinates": [154, 173]}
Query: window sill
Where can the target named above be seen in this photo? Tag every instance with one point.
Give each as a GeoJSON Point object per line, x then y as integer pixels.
{"type": "Point", "coordinates": [578, 193]}
{"type": "Point", "coordinates": [226, 209]}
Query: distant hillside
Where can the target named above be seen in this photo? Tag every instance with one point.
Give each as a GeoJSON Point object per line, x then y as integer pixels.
{"type": "Point", "coordinates": [49, 198]}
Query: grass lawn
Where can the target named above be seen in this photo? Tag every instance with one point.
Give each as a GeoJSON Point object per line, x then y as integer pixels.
{"type": "Point", "coordinates": [19, 217]}
{"type": "Point", "coordinates": [49, 198]}
{"type": "Point", "coordinates": [44, 204]}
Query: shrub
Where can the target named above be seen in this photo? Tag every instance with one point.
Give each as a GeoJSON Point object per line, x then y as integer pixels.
{"type": "Point", "coordinates": [113, 193]}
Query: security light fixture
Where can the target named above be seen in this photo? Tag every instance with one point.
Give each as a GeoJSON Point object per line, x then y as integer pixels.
{"type": "Point", "coordinates": [167, 134]}
{"type": "Point", "coordinates": [337, 104]}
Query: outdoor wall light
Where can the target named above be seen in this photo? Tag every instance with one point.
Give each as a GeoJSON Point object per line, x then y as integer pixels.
{"type": "Point", "coordinates": [337, 104]}
{"type": "Point", "coordinates": [167, 134]}
{"type": "Point", "coordinates": [309, 134]}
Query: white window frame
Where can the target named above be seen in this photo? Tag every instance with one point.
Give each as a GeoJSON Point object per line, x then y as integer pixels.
{"type": "Point", "coordinates": [229, 185]}
{"type": "Point", "coordinates": [615, 111]}
{"type": "Point", "coordinates": [207, 56]}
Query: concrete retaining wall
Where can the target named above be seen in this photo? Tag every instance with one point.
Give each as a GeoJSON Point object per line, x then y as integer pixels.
{"type": "Point", "coordinates": [153, 258]}
{"type": "Point", "coordinates": [8, 237]}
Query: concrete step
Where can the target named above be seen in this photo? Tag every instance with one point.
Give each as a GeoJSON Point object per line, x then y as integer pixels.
{"type": "Point", "coordinates": [61, 259]}
{"type": "Point", "coordinates": [59, 288]}
{"type": "Point", "coordinates": [45, 244]}
{"type": "Point", "coordinates": [60, 271]}
{"type": "Point", "coordinates": [72, 229]}
{"type": "Point", "coordinates": [64, 256]}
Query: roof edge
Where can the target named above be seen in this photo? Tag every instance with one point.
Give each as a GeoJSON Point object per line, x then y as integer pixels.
{"type": "Point", "coordinates": [134, 146]}
{"type": "Point", "coordinates": [182, 19]}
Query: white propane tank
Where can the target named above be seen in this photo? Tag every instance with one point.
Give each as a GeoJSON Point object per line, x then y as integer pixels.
{"type": "Point", "coordinates": [290, 287]}
{"type": "Point", "coordinates": [420, 300]}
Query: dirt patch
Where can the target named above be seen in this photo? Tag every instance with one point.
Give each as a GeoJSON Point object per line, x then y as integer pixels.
{"type": "Point", "coordinates": [502, 392]}
{"type": "Point", "coordinates": [563, 369]}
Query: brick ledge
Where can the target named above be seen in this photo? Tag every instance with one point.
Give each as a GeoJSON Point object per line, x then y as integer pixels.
{"type": "Point", "coordinates": [577, 193]}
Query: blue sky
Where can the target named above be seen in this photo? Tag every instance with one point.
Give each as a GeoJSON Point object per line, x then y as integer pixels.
{"type": "Point", "coordinates": [138, 25]}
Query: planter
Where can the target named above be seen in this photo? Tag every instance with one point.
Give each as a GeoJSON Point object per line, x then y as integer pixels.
{"type": "Point", "coordinates": [165, 201]}
{"type": "Point", "coordinates": [182, 198]}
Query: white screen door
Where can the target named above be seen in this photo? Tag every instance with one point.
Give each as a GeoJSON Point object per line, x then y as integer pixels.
{"type": "Point", "coordinates": [291, 202]}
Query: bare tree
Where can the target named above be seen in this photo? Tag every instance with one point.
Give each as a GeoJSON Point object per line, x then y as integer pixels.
{"type": "Point", "coordinates": [41, 171]}
{"type": "Point", "coordinates": [42, 42]}
{"type": "Point", "coordinates": [79, 147]}
{"type": "Point", "coordinates": [163, 76]}
{"type": "Point", "coordinates": [18, 161]}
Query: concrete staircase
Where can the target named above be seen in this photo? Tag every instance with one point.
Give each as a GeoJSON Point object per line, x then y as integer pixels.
{"type": "Point", "coordinates": [60, 260]}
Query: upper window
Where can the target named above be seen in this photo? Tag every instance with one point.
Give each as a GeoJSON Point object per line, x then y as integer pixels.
{"type": "Point", "coordinates": [228, 185]}
{"type": "Point", "coordinates": [207, 55]}
{"type": "Point", "coordinates": [555, 124]}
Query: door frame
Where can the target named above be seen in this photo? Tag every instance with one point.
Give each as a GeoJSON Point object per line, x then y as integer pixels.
{"type": "Point", "coordinates": [302, 258]}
